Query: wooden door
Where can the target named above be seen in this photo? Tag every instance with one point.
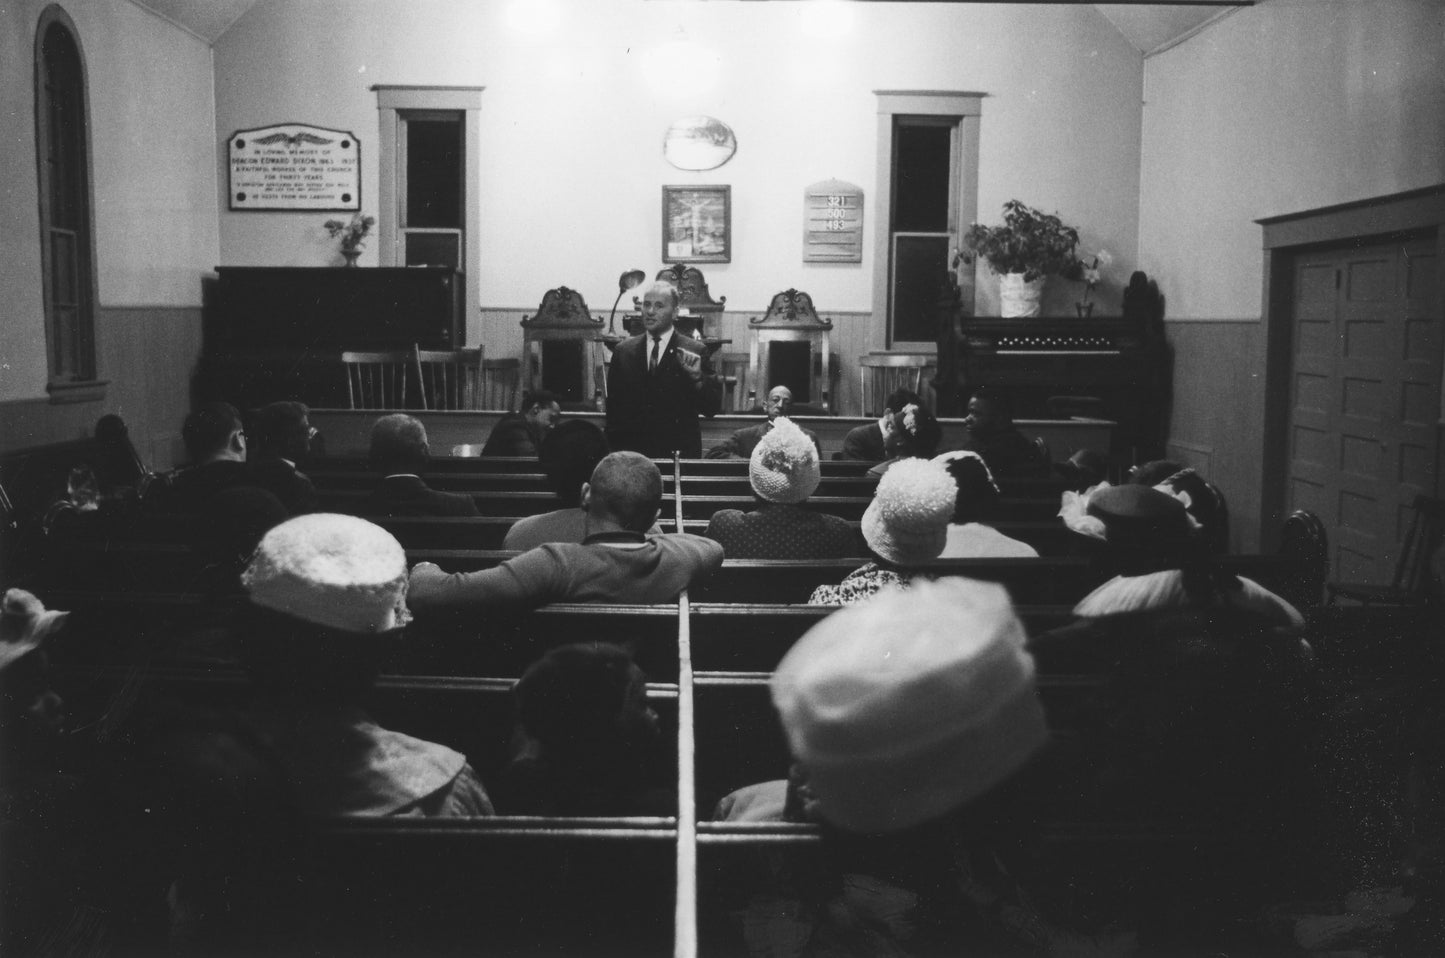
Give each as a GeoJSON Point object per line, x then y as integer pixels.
{"type": "Point", "coordinates": [1365, 396]}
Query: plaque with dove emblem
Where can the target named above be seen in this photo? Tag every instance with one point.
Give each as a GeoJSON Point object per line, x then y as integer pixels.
{"type": "Point", "coordinates": [294, 166]}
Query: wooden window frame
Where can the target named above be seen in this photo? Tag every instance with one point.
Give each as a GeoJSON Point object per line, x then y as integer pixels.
{"type": "Point", "coordinates": [394, 105]}
{"type": "Point", "coordinates": [965, 111]}
{"type": "Point", "coordinates": [73, 377]}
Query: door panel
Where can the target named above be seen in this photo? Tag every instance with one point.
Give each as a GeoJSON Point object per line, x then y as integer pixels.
{"type": "Point", "coordinates": [1366, 396]}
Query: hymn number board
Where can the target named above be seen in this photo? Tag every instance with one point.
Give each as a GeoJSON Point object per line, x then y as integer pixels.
{"type": "Point", "coordinates": [833, 223]}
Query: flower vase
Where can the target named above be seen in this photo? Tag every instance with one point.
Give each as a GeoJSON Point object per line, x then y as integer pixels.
{"type": "Point", "coordinates": [1085, 310]}
{"type": "Point", "coordinates": [1018, 297]}
{"type": "Point", "coordinates": [351, 256]}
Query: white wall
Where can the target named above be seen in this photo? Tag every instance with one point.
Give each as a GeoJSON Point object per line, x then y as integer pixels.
{"type": "Point", "coordinates": [574, 114]}
{"type": "Point", "coordinates": [1282, 107]}
{"type": "Point", "coordinates": [1286, 106]}
{"type": "Point", "coordinates": [153, 163]}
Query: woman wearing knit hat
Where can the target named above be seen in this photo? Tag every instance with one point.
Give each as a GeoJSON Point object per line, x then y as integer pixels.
{"type": "Point", "coordinates": [905, 526]}
{"type": "Point", "coordinates": [784, 471]}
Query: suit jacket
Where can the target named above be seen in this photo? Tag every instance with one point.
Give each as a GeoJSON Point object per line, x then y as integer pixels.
{"type": "Point", "coordinates": [410, 496]}
{"type": "Point", "coordinates": [740, 444]}
{"type": "Point", "coordinates": [512, 436]}
{"type": "Point", "coordinates": [864, 443]}
{"type": "Point", "coordinates": [289, 484]}
{"type": "Point", "coordinates": [656, 413]}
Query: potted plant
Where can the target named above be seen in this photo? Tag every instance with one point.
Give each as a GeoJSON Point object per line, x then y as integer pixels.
{"type": "Point", "coordinates": [1029, 247]}
{"type": "Point", "coordinates": [353, 235]}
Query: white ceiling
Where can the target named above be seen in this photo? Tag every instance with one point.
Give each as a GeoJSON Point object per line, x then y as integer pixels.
{"type": "Point", "coordinates": [1150, 27]}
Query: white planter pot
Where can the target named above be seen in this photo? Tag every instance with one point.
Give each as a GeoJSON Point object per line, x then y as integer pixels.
{"type": "Point", "coordinates": [1018, 298]}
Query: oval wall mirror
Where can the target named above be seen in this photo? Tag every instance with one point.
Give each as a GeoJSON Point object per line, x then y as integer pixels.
{"type": "Point", "coordinates": [699, 143]}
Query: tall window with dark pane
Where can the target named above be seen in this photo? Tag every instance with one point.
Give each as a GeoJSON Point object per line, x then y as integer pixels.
{"type": "Point", "coordinates": [65, 208]}
{"type": "Point", "coordinates": [433, 164]}
{"type": "Point", "coordinates": [921, 229]}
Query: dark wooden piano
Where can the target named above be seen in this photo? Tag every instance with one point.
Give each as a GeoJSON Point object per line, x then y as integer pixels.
{"type": "Point", "coordinates": [1057, 367]}
{"type": "Point", "coordinates": [278, 332]}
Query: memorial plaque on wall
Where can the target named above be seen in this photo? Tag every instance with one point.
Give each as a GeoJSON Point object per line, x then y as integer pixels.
{"type": "Point", "coordinates": [294, 166]}
{"type": "Point", "coordinates": [833, 223]}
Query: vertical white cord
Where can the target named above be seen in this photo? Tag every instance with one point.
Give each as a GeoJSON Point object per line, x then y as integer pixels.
{"type": "Point", "coordinates": [685, 917]}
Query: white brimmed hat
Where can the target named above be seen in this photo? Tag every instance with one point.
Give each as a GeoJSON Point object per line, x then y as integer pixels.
{"type": "Point", "coordinates": [905, 707]}
{"type": "Point", "coordinates": [784, 464]}
{"type": "Point", "coordinates": [25, 624]}
{"type": "Point", "coordinates": [907, 521]}
{"type": "Point", "coordinates": [336, 571]}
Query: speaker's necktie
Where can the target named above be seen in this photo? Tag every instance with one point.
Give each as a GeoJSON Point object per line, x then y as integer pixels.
{"type": "Point", "coordinates": [652, 363]}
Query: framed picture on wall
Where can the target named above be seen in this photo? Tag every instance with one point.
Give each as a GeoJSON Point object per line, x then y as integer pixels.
{"type": "Point", "coordinates": [697, 224]}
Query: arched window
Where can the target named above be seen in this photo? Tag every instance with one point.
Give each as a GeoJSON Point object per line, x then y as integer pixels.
{"type": "Point", "coordinates": [67, 248]}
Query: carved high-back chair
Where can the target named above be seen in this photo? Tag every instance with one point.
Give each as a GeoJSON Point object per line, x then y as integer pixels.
{"type": "Point", "coordinates": [560, 348]}
{"type": "Point", "coordinates": [790, 347]}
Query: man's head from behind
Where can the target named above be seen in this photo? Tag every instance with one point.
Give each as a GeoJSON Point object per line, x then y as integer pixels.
{"type": "Point", "coordinates": [398, 444]}
{"type": "Point", "coordinates": [284, 429]}
{"type": "Point", "coordinates": [625, 490]}
{"type": "Point", "coordinates": [779, 403]}
{"type": "Point", "coordinates": [213, 432]}
{"type": "Point", "coordinates": [584, 699]}
{"type": "Point", "coordinates": [568, 455]}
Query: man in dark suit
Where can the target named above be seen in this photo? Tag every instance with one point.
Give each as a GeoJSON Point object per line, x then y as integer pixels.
{"type": "Point", "coordinates": [283, 435]}
{"type": "Point", "coordinates": [659, 383]}
{"type": "Point", "coordinates": [740, 444]}
{"type": "Point", "coordinates": [520, 434]}
{"type": "Point", "coordinates": [399, 451]}
{"type": "Point", "coordinates": [216, 444]}
{"type": "Point", "coordinates": [866, 443]}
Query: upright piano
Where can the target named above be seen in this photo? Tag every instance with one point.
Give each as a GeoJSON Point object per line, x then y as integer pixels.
{"type": "Point", "coordinates": [1057, 367]}
{"type": "Point", "coordinates": [277, 332]}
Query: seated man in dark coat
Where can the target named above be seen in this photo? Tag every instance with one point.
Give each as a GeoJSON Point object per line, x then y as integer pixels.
{"type": "Point", "coordinates": [740, 444]}
{"type": "Point", "coordinates": [283, 435]}
{"type": "Point", "coordinates": [216, 444]}
{"type": "Point", "coordinates": [865, 443]}
{"type": "Point", "coordinates": [399, 452]}
{"type": "Point", "coordinates": [993, 435]}
{"type": "Point", "coordinates": [520, 434]}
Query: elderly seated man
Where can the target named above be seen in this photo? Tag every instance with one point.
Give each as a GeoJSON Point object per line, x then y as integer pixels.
{"type": "Point", "coordinates": [740, 445]}
{"type": "Point", "coordinates": [616, 562]}
{"type": "Point", "coordinates": [399, 451]}
{"type": "Point", "coordinates": [520, 434]}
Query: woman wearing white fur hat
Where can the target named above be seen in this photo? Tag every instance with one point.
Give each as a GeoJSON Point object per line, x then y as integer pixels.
{"type": "Point", "coordinates": [905, 526]}
{"type": "Point", "coordinates": [328, 594]}
{"type": "Point", "coordinates": [784, 471]}
{"type": "Point", "coordinates": [913, 721]}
